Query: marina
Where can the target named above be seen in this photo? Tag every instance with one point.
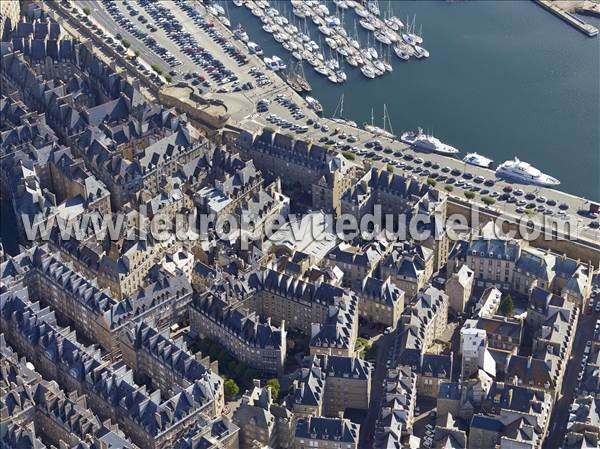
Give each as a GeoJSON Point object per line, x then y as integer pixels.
{"type": "Point", "coordinates": [341, 49]}
{"type": "Point", "coordinates": [485, 53]}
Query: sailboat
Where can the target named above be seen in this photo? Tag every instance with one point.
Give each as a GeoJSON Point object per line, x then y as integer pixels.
{"type": "Point", "coordinates": [381, 131]}
{"type": "Point", "coordinates": [301, 78]}
{"type": "Point", "coordinates": [387, 61]}
{"type": "Point", "coordinates": [292, 79]}
{"type": "Point", "coordinates": [339, 118]}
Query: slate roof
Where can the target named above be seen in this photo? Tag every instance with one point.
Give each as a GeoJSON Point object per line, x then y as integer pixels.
{"type": "Point", "coordinates": [172, 354]}
{"type": "Point", "coordinates": [244, 325]}
{"type": "Point", "coordinates": [327, 429]}
{"type": "Point", "coordinates": [337, 330]}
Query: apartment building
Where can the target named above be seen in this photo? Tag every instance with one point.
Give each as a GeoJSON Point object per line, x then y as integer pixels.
{"type": "Point", "coordinates": [328, 385]}
{"type": "Point", "coordinates": [249, 339]}
{"type": "Point", "coordinates": [111, 391]}
{"type": "Point", "coordinates": [409, 266]}
{"type": "Point", "coordinates": [330, 433]}
{"type": "Point", "coordinates": [262, 421]}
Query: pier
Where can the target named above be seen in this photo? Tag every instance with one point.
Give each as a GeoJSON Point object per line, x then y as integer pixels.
{"type": "Point", "coordinates": [566, 16]}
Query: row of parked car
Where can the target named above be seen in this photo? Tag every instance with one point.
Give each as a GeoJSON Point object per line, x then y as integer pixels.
{"type": "Point", "coordinates": [211, 30]}
{"type": "Point", "coordinates": [150, 42]}
{"type": "Point", "coordinates": [261, 78]}
{"type": "Point", "coordinates": [291, 105]}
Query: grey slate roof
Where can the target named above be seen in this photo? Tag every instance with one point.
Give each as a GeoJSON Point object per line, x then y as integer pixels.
{"type": "Point", "coordinates": [328, 429]}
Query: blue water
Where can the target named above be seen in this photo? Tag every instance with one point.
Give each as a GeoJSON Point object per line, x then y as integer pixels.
{"type": "Point", "coordinates": [504, 78]}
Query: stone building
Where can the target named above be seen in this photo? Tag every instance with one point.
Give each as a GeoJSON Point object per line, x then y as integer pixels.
{"type": "Point", "coordinates": [262, 421]}
{"type": "Point", "coordinates": [329, 433]}
{"type": "Point", "coordinates": [458, 288]}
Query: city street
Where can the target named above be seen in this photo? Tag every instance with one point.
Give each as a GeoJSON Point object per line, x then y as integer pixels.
{"type": "Point", "coordinates": [585, 331]}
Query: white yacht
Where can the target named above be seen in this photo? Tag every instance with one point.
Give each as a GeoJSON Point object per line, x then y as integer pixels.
{"type": "Point", "coordinates": [426, 142]}
{"type": "Point", "coordinates": [367, 71]}
{"type": "Point", "coordinates": [314, 104]}
{"type": "Point", "coordinates": [373, 7]}
{"type": "Point", "coordinates": [524, 172]}
{"type": "Point", "coordinates": [394, 23]}
{"type": "Point", "coordinates": [361, 11]}
{"type": "Point", "coordinates": [420, 52]}
{"type": "Point", "coordinates": [238, 2]}
{"type": "Point", "coordinates": [241, 34]}
{"type": "Point", "coordinates": [255, 48]}
{"type": "Point", "coordinates": [478, 160]}
{"type": "Point", "coordinates": [379, 131]}
{"type": "Point", "coordinates": [401, 53]}
{"type": "Point", "coordinates": [382, 37]}
{"type": "Point", "coordinates": [367, 24]}
{"type": "Point", "coordinates": [280, 64]}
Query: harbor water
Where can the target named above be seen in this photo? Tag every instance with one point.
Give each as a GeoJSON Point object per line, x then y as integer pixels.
{"type": "Point", "coordinates": [505, 79]}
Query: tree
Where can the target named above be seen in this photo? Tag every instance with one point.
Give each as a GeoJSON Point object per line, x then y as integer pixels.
{"type": "Point", "coordinates": [363, 346]}
{"type": "Point", "coordinates": [348, 155]}
{"type": "Point", "coordinates": [390, 168]}
{"type": "Point", "coordinates": [431, 182]}
{"type": "Point", "coordinates": [488, 200]}
{"type": "Point", "coordinates": [469, 195]}
{"type": "Point", "coordinates": [506, 306]}
{"type": "Point", "coordinates": [275, 387]}
{"type": "Point", "coordinates": [230, 388]}
{"type": "Point", "coordinates": [449, 188]}
{"type": "Point", "coordinates": [86, 11]}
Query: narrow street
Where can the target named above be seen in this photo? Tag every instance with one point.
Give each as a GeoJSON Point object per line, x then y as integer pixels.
{"type": "Point", "coordinates": [384, 343]}
{"type": "Point", "coordinates": [556, 434]}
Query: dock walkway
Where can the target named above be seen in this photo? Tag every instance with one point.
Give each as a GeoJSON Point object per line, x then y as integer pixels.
{"type": "Point", "coordinates": [571, 19]}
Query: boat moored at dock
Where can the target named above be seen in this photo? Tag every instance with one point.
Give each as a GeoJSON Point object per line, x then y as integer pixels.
{"type": "Point", "coordinates": [477, 160]}
{"type": "Point", "coordinates": [524, 172]}
{"type": "Point", "coordinates": [420, 140]}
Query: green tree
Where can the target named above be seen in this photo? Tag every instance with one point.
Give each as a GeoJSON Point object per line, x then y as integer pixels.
{"type": "Point", "coordinates": [230, 388]}
{"type": "Point", "coordinates": [506, 306]}
{"type": "Point", "coordinates": [390, 168]}
{"type": "Point", "coordinates": [275, 387]}
{"type": "Point", "coordinates": [488, 200]}
{"type": "Point", "coordinates": [431, 182]}
{"type": "Point", "coordinates": [469, 195]}
{"type": "Point", "coordinates": [86, 11]}
{"type": "Point", "coordinates": [348, 155]}
{"type": "Point", "coordinates": [449, 188]}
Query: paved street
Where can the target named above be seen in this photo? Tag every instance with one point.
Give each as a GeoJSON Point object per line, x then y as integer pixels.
{"type": "Point", "coordinates": [585, 330]}
{"type": "Point", "coordinates": [384, 343]}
